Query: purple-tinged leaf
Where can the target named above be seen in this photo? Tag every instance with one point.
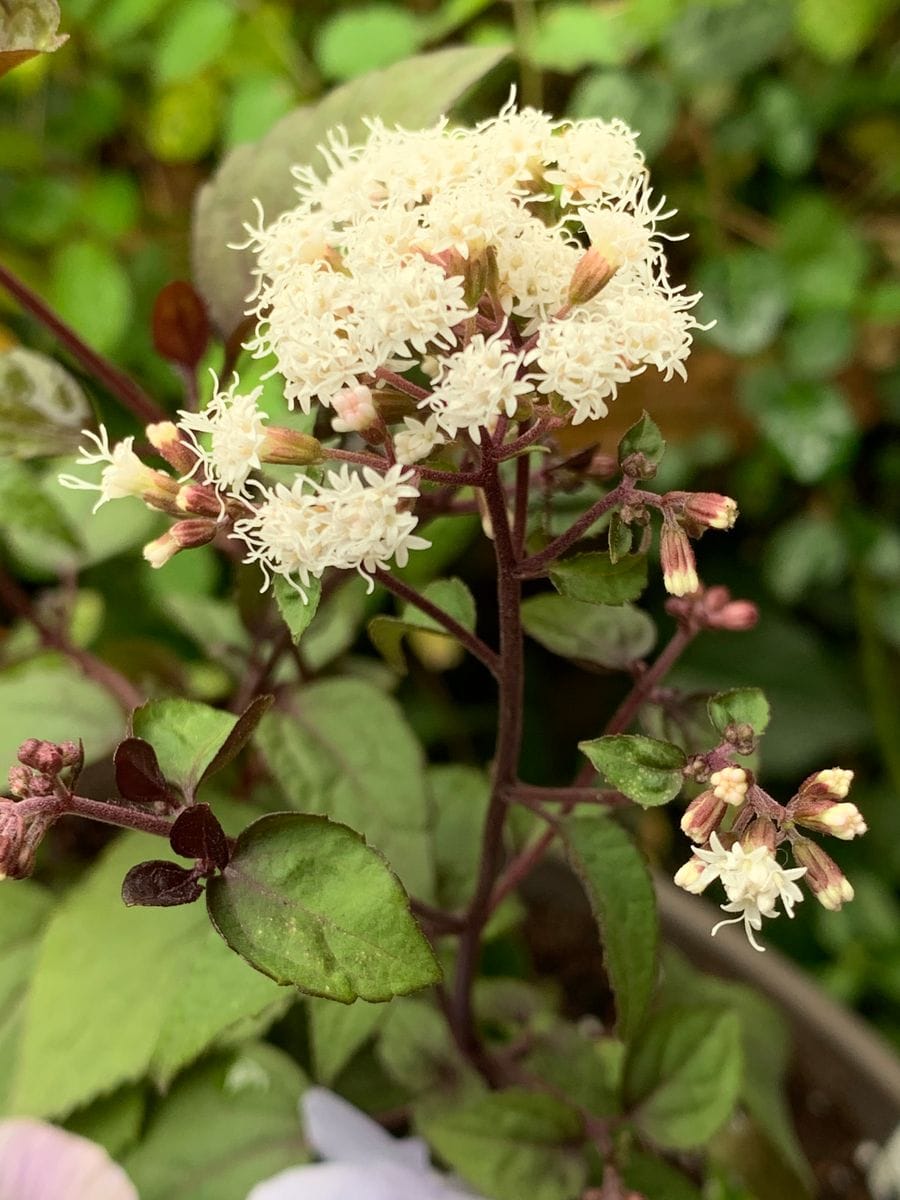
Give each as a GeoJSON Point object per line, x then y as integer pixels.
{"type": "Point", "coordinates": [138, 775]}
{"type": "Point", "coordinates": [196, 833]}
{"type": "Point", "coordinates": [240, 735]}
{"type": "Point", "coordinates": [160, 884]}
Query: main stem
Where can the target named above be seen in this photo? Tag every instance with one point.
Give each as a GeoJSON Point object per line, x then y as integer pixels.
{"type": "Point", "coordinates": [505, 766]}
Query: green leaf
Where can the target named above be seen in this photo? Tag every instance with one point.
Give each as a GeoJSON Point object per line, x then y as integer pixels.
{"type": "Point", "coordinates": [345, 750]}
{"type": "Point", "coordinates": [838, 35]}
{"type": "Point", "coordinates": [718, 43]}
{"type": "Point", "coordinates": [183, 122]}
{"type": "Point", "coordinates": [338, 1031]}
{"type": "Point", "coordinates": [416, 1049]}
{"type": "Point", "coordinates": [618, 885]}
{"type": "Point", "coordinates": [307, 902]}
{"type": "Point", "coordinates": [387, 633]}
{"type": "Point", "coordinates": [608, 636]}
{"type": "Point", "coordinates": [90, 289]}
{"type": "Point", "coordinates": [570, 36]}
{"type": "Point", "coordinates": [644, 438]}
{"type": "Point", "coordinates": [620, 537]}
{"type": "Point", "coordinates": [48, 697]}
{"type": "Point", "coordinates": [25, 910]}
{"type": "Point", "coordinates": [257, 102]}
{"type": "Point", "coordinates": [28, 29]}
{"type": "Point", "coordinates": [224, 1126]}
{"type": "Point", "coordinates": [114, 1121]}
{"type": "Point", "coordinates": [826, 256]}
{"type": "Point", "coordinates": [510, 1144]}
{"type": "Point", "coordinates": [646, 102]}
{"type": "Point", "coordinates": [187, 737]}
{"type": "Point", "coordinates": [646, 770]}
{"type": "Point", "coordinates": [811, 426]}
{"type": "Point", "coordinates": [819, 344]}
{"type": "Point", "coordinates": [28, 512]}
{"type": "Point", "coordinates": [653, 1177]}
{"type": "Point", "coordinates": [766, 1044]}
{"type": "Point", "coordinates": [683, 1075]}
{"type": "Point", "coordinates": [263, 169]}
{"type": "Point", "coordinates": [157, 988]}
{"type": "Point", "coordinates": [365, 39]}
{"type": "Point", "coordinates": [746, 292]}
{"type": "Point", "coordinates": [596, 580]}
{"type": "Point", "coordinates": [42, 407]}
{"type": "Point", "coordinates": [297, 612]}
{"type": "Point", "coordinates": [459, 803]}
{"type": "Point", "coordinates": [740, 706]}
{"type": "Point", "coordinates": [193, 37]}
{"type": "Point", "coordinates": [586, 1070]}
{"type": "Point", "coordinates": [787, 128]}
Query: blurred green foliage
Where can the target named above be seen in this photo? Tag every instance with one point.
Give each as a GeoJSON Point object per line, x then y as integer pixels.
{"type": "Point", "coordinates": [771, 124]}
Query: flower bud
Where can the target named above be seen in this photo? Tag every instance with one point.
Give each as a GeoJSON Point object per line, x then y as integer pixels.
{"type": "Point", "coordinates": [11, 833]}
{"type": "Point", "coordinates": [201, 499]}
{"type": "Point", "coordinates": [730, 784]}
{"type": "Point", "coordinates": [71, 753]}
{"type": "Point", "coordinates": [826, 880]}
{"type": "Point", "coordinates": [737, 616]}
{"type": "Point", "coordinates": [19, 781]}
{"type": "Point", "coordinates": [678, 562]}
{"type": "Point", "coordinates": [183, 535]}
{"type": "Point", "coordinates": [41, 785]}
{"type": "Point", "coordinates": [709, 510]}
{"type": "Point", "coordinates": [591, 275]}
{"type": "Point", "coordinates": [689, 876]}
{"type": "Point", "coordinates": [760, 832]}
{"type": "Point", "coordinates": [166, 440]}
{"type": "Point", "coordinates": [842, 820]}
{"type": "Point", "coordinates": [831, 784]}
{"type": "Point", "coordinates": [289, 447]}
{"type": "Point", "coordinates": [27, 751]}
{"type": "Point", "coordinates": [354, 410]}
{"type": "Point", "coordinates": [48, 759]}
{"type": "Point", "coordinates": [703, 815]}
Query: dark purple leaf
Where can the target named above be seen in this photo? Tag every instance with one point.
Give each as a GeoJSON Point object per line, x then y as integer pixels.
{"type": "Point", "coordinates": [160, 884]}
{"type": "Point", "coordinates": [197, 834]}
{"type": "Point", "coordinates": [138, 776]}
{"type": "Point", "coordinates": [180, 325]}
{"type": "Point", "coordinates": [242, 732]}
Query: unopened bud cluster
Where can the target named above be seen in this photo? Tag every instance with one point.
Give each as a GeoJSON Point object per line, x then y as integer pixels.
{"type": "Point", "coordinates": [737, 831]}
{"type": "Point", "coordinates": [688, 515]}
{"type": "Point", "coordinates": [40, 771]}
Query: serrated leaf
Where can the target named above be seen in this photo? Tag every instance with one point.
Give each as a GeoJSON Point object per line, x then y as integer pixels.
{"type": "Point", "coordinates": [740, 706]}
{"type": "Point", "coordinates": [297, 612]}
{"type": "Point", "coordinates": [42, 407]}
{"type": "Point", "coordinates": [241, 733]}
{"type": "Point", "coordinates": [621, 895]}
{"type": "Point", "coordinates": [263, 169]}
{"type": "Point", "coordinates": [187, 737]}
{"type": "Point", "coordinates": [224, 1127]}
{"type": "Point", "coordinates": [584, 1069]}
{"type": "Point", "coordinates": [595, 579]}
{"type": "Point", "coordinates": [307, 902]}
{"type": "Point", "coordinates": [510, 1144]}
{"type": "Point", "coordinates": [48, 697]}
{"type": "Point", "coordinates": [606, 635]}
{"type": "Point", "coordinates": [387, 633]}
{"type": "Point", "coordinates": [155, 991]}
{"type": "Point", "coordinates": [646, 770]}
{"type": "Point", "coordinates": [346, 750]}
{"type": "Point", "coordinates": [683, 1075]}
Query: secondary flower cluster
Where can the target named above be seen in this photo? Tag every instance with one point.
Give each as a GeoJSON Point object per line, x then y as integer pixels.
{"type": "Point", "coordinates": [744, 858]}
{"type": "Point", "coordinates": [429, 289]}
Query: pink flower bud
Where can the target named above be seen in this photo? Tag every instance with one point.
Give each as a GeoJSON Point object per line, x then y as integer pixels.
{"type": "Point", "coordinates": [833, 784]}
{"type": "Point", "coordinates": [48, 759]}
{"type": "Point", "coordinates": [11, 833]}
{"type": "Point", "coordinates": [166, 440]}
{"type": "Point", "coordinates": [678, 562]}
{"type": "Point", "coordinates": [201, 499]}
{"type": "Point", "coordinates": [19, 781]}
{"type": "Point", "coordinates": [354, 410]}
{"type": "Point", "coordinates": [703, 815]}
{"type": "Point", "coordinates": [826, 880]}
{"type": "Point", "coordinates": [737, 616]}
{"type": "Point", "coordinates": [183, 535]}
{"type": "Point", "coordinates": [709, 510]}
{"type": "Point", "coordinates": [842, 820]}
{"type": "Point", "coordinates": [760, 832]}
{"type": "Point", "coordinates": [591, 275]}
{"type": "Point", "coordinates": [71, 753]}
{"type": "Point", "coordinates": [27, 751]}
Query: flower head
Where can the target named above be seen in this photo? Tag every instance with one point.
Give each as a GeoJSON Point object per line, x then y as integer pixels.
{"type": "Point", "coordinates": [236, 426]}
{"type": "Point", "coordinates": [124, 475]}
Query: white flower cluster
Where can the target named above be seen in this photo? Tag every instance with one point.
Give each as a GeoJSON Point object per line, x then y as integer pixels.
{"type": "Point", "coordinates": [390, 253]}
{"type": "Point", "coordinates": [754, 882]}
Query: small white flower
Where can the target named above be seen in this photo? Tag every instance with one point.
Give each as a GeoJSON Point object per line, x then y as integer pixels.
{"type": "Point", "coordinates": [477, 385]}
{"type": "Point", "coordinates": [236, 426]}
{"type": "Point", "coordinates": [579, 359]}
{"type": "Point", "coordinates": [125, 474]}
{"type": "Point", "coordinates": [754, 882]}
{"type": "Point", "coordinates": [844, 821]}
{"type": "Point", "coordinates": [417, 439]}
{"type": "Point", "coordinates": [363, 1161]}
{"type": "Point", "coordinates": [835, 780]}
{"type": "Point", "coordinates": [594, 159]}
{"type": "Point", "coordinates": [354, 410]}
